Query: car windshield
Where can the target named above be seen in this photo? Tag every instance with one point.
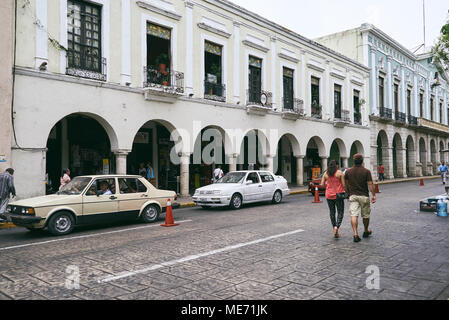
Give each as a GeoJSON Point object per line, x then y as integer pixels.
{"type": "Point", "coordinates": [76, 186]}
{"type": "Point", "coordinates": [233, 177]}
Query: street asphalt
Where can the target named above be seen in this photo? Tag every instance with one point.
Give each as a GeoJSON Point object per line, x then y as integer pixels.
{"type": "Point", "coordinates": [283, 252]}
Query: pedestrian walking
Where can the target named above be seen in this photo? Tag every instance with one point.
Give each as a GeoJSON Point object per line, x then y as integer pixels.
{"type": "Point", "coordinates": [443, 171]}
{"type": "Point", "coordinates": [381, 172]}
{"type": "Point", "coordinates": [359, 183]}
{"type": "Point", "coordinates": [334, 182]}
{"type": "Point", "coordinates": [218, 174]}
{"type": "Point", "coordinates": [150, 172]}
{"type": "Point", "coordinates": [65, 178]}
{"type": "Point", "coordinates": [142, 170]}
{"type": "Point", "coordinates": [6, 190]}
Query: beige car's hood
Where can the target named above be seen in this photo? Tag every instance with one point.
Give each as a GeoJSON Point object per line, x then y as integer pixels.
{"type": "Point", "coordinates": [50, 200]}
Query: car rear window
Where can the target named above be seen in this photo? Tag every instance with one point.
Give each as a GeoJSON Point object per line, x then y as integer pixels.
{"type": "Point", "coordinates": [131, 185]}
{"type": "Point", "coordinates": [266, 177]}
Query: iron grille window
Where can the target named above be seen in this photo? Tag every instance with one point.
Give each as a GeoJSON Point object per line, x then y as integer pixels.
{"type": "Point", "coordinates": [431, 109]}
{"type": "Point", "coordinates": [441, 112]}
{"type": "Point", "coordinates": [357, 114]}
{"type": "Point", "coordinates": [381, 93]}
{"type": "Point", "coordinates": [409, 102]}
{"type": "Point", "coordinates": [421, 105]}
{"type": "Point", "coordinates": [84, 36]}
{"type": "Point", "coordinates": [315, 87]}
{"type": "Point", "coordinates": [396, 98]}
{"type": "Point", "coordinates": [255, 79]}
{"type": "Point", "coordinates": [337, 101]}
{"type": "Point", "coordinates": [288, 88]}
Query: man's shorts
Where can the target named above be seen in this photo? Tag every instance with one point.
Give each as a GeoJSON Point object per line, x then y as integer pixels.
{"type": "Point", "coordinates": [360, 205]}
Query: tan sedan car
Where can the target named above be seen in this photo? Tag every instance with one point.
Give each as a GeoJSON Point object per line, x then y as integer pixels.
{"type": "Point", "coordinates": [92, 200]}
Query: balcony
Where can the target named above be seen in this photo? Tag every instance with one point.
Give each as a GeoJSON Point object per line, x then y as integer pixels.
{"type": "Point", "coordinates": [214, 91]}
{"type": "Point", "coordinates": [317, 111]}
{"type": "Point", "coordinates": [413, 121]}
{"type": "Point", "coordinates": [342, 118]}
{"type": "Point", "coordinates": [258, 102]}
{"type": "Point", "coordinates": [292, 109]}
{"type": "Point", "coordinates": [433, 127]}
{"type": "Point", "coordinates": [358, 118]}
{"type": "Point", "coordinates": [400, 117]}
{"type": "Point", "coordinates": [86, 64]}
{"type": "Point", "coordinates": [385, 113]}
{"type": "Point", "coordinates": [165, 86]}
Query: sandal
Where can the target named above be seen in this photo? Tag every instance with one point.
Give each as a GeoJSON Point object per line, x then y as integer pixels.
{"type": "Point", "coordinates": [367, 234]}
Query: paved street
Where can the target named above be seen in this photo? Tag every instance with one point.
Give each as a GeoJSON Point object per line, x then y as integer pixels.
{"type": "Point", "coordinates": [284, 252]}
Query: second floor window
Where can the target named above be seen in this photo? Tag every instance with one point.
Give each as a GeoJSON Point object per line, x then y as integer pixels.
{"type": "Point", "coordinates": [381, 93]}
{"type": "Point", "coordinates": [396, 98]}
{"type": "Point", "coordinates": [158, 55]}
{"type": "Point", "coordinates": [441, 112]}
{"type": "Point", "coordinates": [84, 36]}
{"type": "Point", "coordinates": [409, 102]}
{"type": "Point", "coordinates": [315, 87]}
{"type": "Point", "coordinates": [337, 101]}
{"type": "Point", "coordinates": [288, 88]}
{"type": "Point", "coordinates": [255, 79]}
{"type": "Point", "coordinates": [421, 105]}
{"type": "Point", "coordinates": [432, 109]}
{"type": "Point", "coordinates": [213, 82]}
{"type": "Point", "coordinates": [357, 113]}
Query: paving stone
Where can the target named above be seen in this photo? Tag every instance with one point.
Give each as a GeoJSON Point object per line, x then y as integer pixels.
{"type": "Point", "coordinates": [306, 279]}
{"type": "Point", "coordinates": [147, 295]}
{"type": "Point", "coordinates": [298, 292]}
{"type": "Point", "coordinates": [428, 289]}
{"type": "Point", "coordinates": [208, 285]}
{"type": "Point", "coordinates": [162, 281]}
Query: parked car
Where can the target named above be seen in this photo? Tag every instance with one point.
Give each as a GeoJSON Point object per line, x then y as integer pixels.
{"type": "Point", "coordinates": [92, 200]}
{"type": "Point", "coordinates": [242, 187]}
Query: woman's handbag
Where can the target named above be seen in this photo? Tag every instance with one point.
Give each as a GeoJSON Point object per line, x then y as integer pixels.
{"type": "Point", "coordinates": [342, 196]}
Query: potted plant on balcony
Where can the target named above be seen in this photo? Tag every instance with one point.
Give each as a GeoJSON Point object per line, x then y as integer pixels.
{"type": "Point", "coordinates": [162, 72]}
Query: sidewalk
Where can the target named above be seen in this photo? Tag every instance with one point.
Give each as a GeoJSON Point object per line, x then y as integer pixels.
{"type": "Point", "coordinates": [186, 202]}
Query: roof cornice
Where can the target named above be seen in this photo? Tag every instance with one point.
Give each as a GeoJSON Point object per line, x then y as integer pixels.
{"type": "Point", "coordinates": [276, 28]}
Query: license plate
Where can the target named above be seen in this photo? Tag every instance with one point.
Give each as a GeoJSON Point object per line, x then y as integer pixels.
{"type": "Point", "coordinates": [203, 200]}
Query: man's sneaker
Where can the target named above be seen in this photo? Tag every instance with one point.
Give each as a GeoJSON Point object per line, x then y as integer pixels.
{"type": "Point", "coordinates": [357, 239]}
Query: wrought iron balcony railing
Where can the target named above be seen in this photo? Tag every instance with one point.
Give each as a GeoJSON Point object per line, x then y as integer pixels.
{"type": "Point", "coordinates": [214, 91]}
{"type": "Point", "coordinates": [171, 81]}
{"type": "Point", "coordinates": [317, 111]}
{"type": "Point", "coordinates": [385, 113]}
{"type": "Point", "coordinates": [412, 120]}
{"type": "Point", "coordinates": [86, 64]}
{"type": "Point", "coordinates": [293, 105]}
{"type": "Point", "coordinates": [357, 118]}
{"type": "Point", "coordinates": [259, 98]}
{"type": "Point", "coordinates": [343, 115]}
{"type": "Point", "coordinates": [400, 116]}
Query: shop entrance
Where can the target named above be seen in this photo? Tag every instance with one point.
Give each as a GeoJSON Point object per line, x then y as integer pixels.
{"type": "Point", "coordinates": [80, 144]}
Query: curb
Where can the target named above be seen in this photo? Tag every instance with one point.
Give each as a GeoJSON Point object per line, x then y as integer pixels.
{"type": "Point", "coordinates": [7, 225]}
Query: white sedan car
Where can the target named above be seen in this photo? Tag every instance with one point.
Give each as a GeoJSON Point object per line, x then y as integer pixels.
{"type": "Point", "coordinates": [242, 187]}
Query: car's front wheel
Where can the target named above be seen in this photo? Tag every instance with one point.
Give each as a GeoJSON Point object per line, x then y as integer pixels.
{"type": "Point", "coordinates": [61, 223]}
{"type": "Point", "coordinates": [151, 213]}
{"type": "Point", "coordinates": [277, 197]}
{"type": "Point", "coordinates": [236, 202]}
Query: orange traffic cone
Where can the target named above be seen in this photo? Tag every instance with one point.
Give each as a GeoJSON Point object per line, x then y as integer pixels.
{"type": "Point", "coordinates": [422, 183]}
{"type": "Point", "coordinates": [317, 196]}
{"type": "Point", "coordinates": [169, 220]}
{"type": "Point", "coordinates": [377, 188]}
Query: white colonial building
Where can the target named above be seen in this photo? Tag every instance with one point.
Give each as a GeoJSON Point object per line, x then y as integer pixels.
{"type": "Point", "coordinates": [102, 86]}
{"type": "Point", "coordinates": [409, 97]}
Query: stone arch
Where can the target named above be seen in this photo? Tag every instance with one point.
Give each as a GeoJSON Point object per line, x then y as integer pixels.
{"type": "Point", "coordinates": [423, 155]}
{"type": "Point", "coordinates": [433, 156]}
{"type": "Point", "coordinates": [383, 153]}
{"type": "Point", "coordinates": [356, 147]}
{"type": "Point", "coordinates": [410, 157]}
{"type": "Point", "coordinates": [398, 159]}
{"type": "Point", "coordinates": [255, 149]}
{"type": "Point", "coordinates": [286, 158]}
{"type": "Point", "coordinates": [342, 152]}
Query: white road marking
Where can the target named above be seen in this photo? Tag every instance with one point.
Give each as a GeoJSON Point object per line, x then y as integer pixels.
{"type": "Point", "coordinates": [193, 257]}
{"type": "Point", "coordinates": [83, 237]}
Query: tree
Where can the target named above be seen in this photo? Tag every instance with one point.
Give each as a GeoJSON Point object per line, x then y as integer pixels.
{"type": "Point", "coordinates": [440, 51]}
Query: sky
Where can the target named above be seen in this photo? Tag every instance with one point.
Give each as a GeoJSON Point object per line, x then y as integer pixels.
{"type": "Point", "coordinates": [400, 19]}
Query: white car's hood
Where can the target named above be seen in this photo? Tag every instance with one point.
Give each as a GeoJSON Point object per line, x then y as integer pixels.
{"type": "Point", "coordinates": [220, 186]}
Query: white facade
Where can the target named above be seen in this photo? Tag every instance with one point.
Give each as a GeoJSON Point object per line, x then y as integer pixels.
{"type": "Point", "coordinates": [122, 106]}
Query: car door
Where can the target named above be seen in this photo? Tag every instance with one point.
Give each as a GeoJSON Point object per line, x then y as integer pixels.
{"type": "Point", "coordinates": [98, 207]}
{"type": "Point", "coordinates": [268, 185]}
{"type": "Point", "coordinates": [252, 192]}
{"type": "Point", "coordinates": [131, 197]}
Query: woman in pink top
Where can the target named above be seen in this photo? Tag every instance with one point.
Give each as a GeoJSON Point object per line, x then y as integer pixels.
{"type": "Point", "coordinates": [65, 178]}
{"type": "Point", "coordinates": [334, 180]}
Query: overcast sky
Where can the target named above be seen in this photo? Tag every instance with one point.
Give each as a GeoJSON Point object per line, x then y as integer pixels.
{"type": "Point", "coordinates": [401, 19]}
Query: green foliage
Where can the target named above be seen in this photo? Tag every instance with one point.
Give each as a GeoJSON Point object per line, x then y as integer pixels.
{"type": "Point", "coordinates": [440, 51]}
